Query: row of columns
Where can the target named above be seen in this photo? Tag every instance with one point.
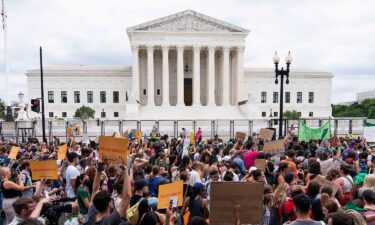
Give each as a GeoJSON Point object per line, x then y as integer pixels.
{"type": "Point", "coordinates": [180, 74]}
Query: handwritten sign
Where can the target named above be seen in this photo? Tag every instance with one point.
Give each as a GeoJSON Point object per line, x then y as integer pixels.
{"type": "Point", "coordinates": [14, 152]}
{"type": "Point", "coordinates": [261, 164]}
{"type": "Point", "coordinates": [114, 149]}
{"type": "Point", "coordinates": [248, 195]}
{"type": "Point", "coordinates": [61, 153]}
{"type": "Point", "coordinates": [168, 192]}
{"type": "Point", "coordinates": [240, 136]}
{"type": "Point", "coordinates": [44, 169]}
{"type": "Point", "coordinates": [266, 134]}
{"type": "Point", "coordinates": [274, 146]}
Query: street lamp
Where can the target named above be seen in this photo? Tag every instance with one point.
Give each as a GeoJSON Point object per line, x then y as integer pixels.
{"type": "Point", "coordinates": [281, 73]}
{"type": "Point", "coordinates": [270, 116]}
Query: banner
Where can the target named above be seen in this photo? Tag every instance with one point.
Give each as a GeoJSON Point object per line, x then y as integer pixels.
{"type": "Point", "coordinates": [114, 149]}
{"type": "Point", "coordinates": [266, 134]}
{"type": "Point", "coordinates": [274, 146]}
{"type": "Point", "coordinates": [306, 133]}
{"type": "Point", "coordinates": [170, 192]}
{"type": "Point", "coordinates": [44, 169]}
{"type": "Point", "coordinates": [61, 153]}
{"type": "Point", "coordinates": [369, 131]}
{"type": "Point", "coordinates": [13, 152]}
{"type": "Point", "coordinates": [226, 195]}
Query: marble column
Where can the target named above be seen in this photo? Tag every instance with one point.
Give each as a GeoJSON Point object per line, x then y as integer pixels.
{"type": "Point", "coordinates": [197, 77]}
{"type": "Point", "coordinates": [150, 76]}
{"type": "Point", "coordinates": [226, 75]}
{"type": "Point", "coordinates": [211, 76]}
{"type": "Point", "coordinates": [241, 95]}
{"type": "Point", "coordinates": [165, 51]}
{"type": "Point", "coordinates": [135, 72]}
{"type": "Point", "coordinates": [180, 75]}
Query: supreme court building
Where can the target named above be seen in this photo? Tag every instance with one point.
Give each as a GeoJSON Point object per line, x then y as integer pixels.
{"type": "Point", "coordinates": [184, 66]}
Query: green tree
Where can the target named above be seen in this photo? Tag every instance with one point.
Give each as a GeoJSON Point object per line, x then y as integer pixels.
{"type": "Point", "coordinates": [84, 113]}
{"type": "Point", "coordinates": [371, 113]}
{"type": "Point", "coordinates": [3, 107]}
{"type": "Point", "coordinates": [291, 115]}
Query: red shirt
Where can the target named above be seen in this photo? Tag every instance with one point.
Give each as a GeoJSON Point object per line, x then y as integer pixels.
{"type": "Point", "coordinates": [249, 159]}
{"type": "Point", "coordinates": [288, 208]}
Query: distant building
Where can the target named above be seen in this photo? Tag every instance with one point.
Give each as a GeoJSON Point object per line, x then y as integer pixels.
{"type": "Point", "coordinates": [365, 95]}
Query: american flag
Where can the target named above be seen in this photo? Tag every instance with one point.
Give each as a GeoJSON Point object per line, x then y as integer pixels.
{"type": "Point", "coordinates": [3, 15]}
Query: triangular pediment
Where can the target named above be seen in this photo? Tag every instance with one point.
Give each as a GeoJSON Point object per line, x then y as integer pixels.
{"type": "Point", "coordinates": [187, 21]}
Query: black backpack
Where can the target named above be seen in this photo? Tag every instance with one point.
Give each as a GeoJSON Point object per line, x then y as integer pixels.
{"type": "Point", "coordinates": [284, 216]}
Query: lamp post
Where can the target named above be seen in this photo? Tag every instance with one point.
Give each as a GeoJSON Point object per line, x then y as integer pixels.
{"type": "Point", "coordinates": [281, 73]}
{"type": "Point", "coordinates": [270, 125]}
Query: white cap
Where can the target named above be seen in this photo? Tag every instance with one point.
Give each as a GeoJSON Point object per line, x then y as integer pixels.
{"type": "Point", "coordinates": [226, 158]}
{"type": "Point", "coordinates": [253, 168]}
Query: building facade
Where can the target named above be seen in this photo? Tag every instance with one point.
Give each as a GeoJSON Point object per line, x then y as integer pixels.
{"type": "Point", "coordinates": [365, 95]}
{"type": "Point", "coordinates": [185, 66]}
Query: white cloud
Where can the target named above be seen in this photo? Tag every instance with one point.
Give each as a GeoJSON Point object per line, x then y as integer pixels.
{"type": "Point", "coordinates": [336, 36]}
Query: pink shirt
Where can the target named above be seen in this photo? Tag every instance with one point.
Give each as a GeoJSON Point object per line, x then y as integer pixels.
{"type": "Point", "coordinates": [249, 159]}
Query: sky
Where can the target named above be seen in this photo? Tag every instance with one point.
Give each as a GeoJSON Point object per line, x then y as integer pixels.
{"type": "Point", "coordinates": [336, 36]}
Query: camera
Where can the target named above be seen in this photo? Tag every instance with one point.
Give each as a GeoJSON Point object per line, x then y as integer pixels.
{"type": "Point", "coordinates": [54, 211]}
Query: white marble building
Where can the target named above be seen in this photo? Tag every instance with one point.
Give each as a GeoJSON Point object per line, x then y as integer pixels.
{"type": "Point", "coordinates": [365, 95]}
{"type": "Point", "coordinates": [185, 66]}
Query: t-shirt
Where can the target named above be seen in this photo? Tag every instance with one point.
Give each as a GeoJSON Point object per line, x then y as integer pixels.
{"type": "Point", "coordinates": [292, 165]}
{"type": "Point", "coordinates": [194, 177]}
{"type": "Point", "coordinates": [235, 176]}
{"type": "Point", "coordinates": [81, 195]}
{"type": "Point", "coordinates": [112, 219]}
{"type": "Point", "coordinates": [307, 222]}
{"type": "Point", "coordinates": [71, 173]}
{"type": "Point", "coordinates": [152, 185]}
{"type": "Point", "coordinates": [26, 179]}
{"type": "Point", "coordinates": [249, 159]}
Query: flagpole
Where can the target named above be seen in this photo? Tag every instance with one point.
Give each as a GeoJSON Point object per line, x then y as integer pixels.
{"type": "Point", "coordinates": [4, 15]}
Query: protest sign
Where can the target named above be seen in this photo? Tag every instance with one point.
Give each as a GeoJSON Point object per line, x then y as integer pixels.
{"type": "Point", "coordinates": [61, 153]}
{"type": "Point", "coordinates": [14, 152]}
{"type": "Point", "coordinates": [266, 134]}
{"type": "Point", "coordinates": [114, 149]}
{"type": "Point", "coordinates": [44, 169]}
{"type": "Point", "coordinates": [333, 142]}
{"type": "Point", "coordinates": [138, 135]}
{"type": "Point", "coordinates": [369, 131]}
{"type": "Point", "coordinates": [185, 148]}
{"type": "Point", "coordinates": [326, 183]}
{"type": "Point", "coordinates": [306, 133]}
{"type": "Point", "coordinates": [168, 192]}
{"type": "Point", "coordinates": [248, 195]}
{"type": "Point", "coordinates": [260, 164]}
{"type": "Point", "coordinates": [274, 146]}
{"type": "Point", "coordinates": [240, 136]}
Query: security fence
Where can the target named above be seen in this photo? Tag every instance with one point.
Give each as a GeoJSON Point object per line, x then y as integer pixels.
{"type": "Point", "coordinates": [21, 131]}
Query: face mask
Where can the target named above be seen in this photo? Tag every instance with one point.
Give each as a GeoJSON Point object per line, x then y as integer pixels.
{"type": "Point", "coordinates": [87, 183]}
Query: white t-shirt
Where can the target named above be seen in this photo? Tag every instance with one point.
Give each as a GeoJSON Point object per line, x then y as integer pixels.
{"type": "Point", "coordinates": [235, 176]}
{"type": "Point", "coordinates": [71, 173]}
{"type": "Point", "coordinates": [194, 177]}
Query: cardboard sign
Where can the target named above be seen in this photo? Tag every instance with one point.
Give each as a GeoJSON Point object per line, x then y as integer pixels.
{"type": "Point", "coordinates": [333, 142]}
{"type": "Point", "coordinates": [114, 149]}
{"type": "Point", "coordinates": [168, 192]}
{"type": "Point", "coordinates": [240, 136]}
{"type": "Point", "coordinates": [266, 134]}
{"type": "Point", "coordinates": [274, 146]}
{"type": "Point", "coordinates": [246, 194]}
{"type": "Point", "coordinates": [261, 164]}
{"type": "Point", "coordinates": [13, 152]}
{"type": "Point", "coordinates": [44, 169]}
{"type": "Point", "coordinates": [61, 153]}
{"type": "Point", "coordinates": [138, 135]}
{"type": "Point", "coordinates": [326, 183]}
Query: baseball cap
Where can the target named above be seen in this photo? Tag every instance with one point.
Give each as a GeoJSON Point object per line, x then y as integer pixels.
{"type": "Point", "coordinates": [226, 158]}
{"type": "Point", "coordinates": [198, 186]}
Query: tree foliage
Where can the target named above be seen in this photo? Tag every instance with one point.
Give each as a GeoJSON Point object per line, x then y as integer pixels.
{"type": "Point", "coordinates": [365, 108]}
{"type": "Point", "coordinates": [3, 107]}
{"type": "Point", "coordinates": [291, 115]}
{"type": "Point", "coordinates": [84, 113]}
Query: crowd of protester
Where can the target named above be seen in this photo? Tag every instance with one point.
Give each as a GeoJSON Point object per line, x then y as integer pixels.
{"type": "Point", "coordinates": [90, 190]}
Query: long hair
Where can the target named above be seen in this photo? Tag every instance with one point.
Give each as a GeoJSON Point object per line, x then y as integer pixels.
{"type": "Point", "coordinates": [279, 195]}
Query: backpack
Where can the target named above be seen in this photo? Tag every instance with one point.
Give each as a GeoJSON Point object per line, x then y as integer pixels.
{"type": "Point", "coordinates": [132, 214]}
{"type": "Point", "coordinates": [285, 217]}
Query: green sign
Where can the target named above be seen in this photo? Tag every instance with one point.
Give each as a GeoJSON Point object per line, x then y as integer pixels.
{"type": "Point", "coordinates": [306, 133]}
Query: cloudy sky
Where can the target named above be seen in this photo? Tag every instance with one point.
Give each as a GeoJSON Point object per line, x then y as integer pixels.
{"type": "Point", "coordinates": [337, 36]}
